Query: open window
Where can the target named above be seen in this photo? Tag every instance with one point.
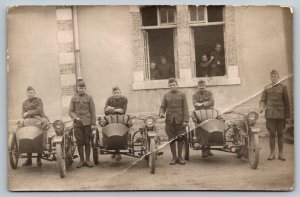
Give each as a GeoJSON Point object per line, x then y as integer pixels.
{"type": "Point", "coordinates": [159, 34]}
{"type": "Point", "coordinates": [207, 28]}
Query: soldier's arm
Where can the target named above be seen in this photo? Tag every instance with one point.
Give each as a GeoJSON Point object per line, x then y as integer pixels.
{"type": "Point", "coordinates": [72, 109]}
{"type": "Point", "coordinates": [124, 106]}
{"type": "Point", "coordinates": [286, 102]}
{"type": "Point", "coordinates": [185, 109]}
{"type": "Point", "coordinates": [107, 106]}
{"type": "Point", "coordinates": [263, 100]}
{"type": "Point", "coordinates": [163, 106]}
{"type": "Point", "coordinates": [211, 101]}
{"type": "Point", "coordinates": [39, 109]}
{"type": "Point", "coordinates": [23, 110]}
{"type": "Point", "coordinates": [93, 111]}
{"type": "Point", "coordinates": [196, 104]}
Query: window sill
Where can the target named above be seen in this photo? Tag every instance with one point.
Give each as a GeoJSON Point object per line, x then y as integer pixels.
{"type": "Point", "coordinates": [163, 84]}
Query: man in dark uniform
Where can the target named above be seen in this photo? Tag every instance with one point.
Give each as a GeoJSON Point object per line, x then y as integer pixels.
{"type": "Point", "coordinates": [203, 99]}
{"type": "Point", "coordinates": [217, 67]}
{"type": "Point", "coordinates": [174, 105]}
{"type": "Point", "coordinates": [116, 104]}
{"type": "Point", "coordinates": [82, 111]}
{"type": "Point", "coordinates": [275, 102]}
{"type": "Point", "coordinates": [32, 109]}
{"type": "Point", "coordinates": [165, 69]}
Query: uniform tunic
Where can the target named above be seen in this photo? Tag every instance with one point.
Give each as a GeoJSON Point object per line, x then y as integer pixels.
{"type": "Point", "coordinates": [276, 102]}
{"type": "Point", "coordinates": [83, 107]}
{"type": "Point", "coordinates": [118, 103]}
{"type": "Point", "coordinates": [33, 107]}
{"type": "Point", "coordinates": [205, 97]}
{"type": "Point", "coordinates": [174, 104]}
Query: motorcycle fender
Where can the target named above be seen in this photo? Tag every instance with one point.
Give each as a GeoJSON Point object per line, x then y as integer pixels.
{"type": "Point", "coordinates": [57, 139]}
{"type": "Point", "coordinates": [151, 134]}
{"type": "Point", "coordinates": [255, 129]}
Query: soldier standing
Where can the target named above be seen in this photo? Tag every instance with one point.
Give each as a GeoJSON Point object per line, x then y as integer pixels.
{"type": "Point", "coordinates": [82, 111]}
{"type": "Point", "coordinates": [174, 105]}
{"type": "Point", "coordinates": [275, 102]}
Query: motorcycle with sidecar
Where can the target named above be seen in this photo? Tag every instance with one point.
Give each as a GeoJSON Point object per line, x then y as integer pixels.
{"type": "Point", "coordinates": [115, 138]}
{"type": "Point", "coordinates": [233, 135]}
{"type": "Point", "coordinates": [32, 138]}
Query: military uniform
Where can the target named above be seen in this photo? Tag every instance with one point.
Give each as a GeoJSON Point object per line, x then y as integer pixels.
{"type": "Point", "coordinates": [205, 97]}
{"type": "Point", "coordinates": [34, 108]}
{"type": "Point", "coordinates": [83, 107]}
{"type": "Point", "coordinates": [276, 102]}
{"type": "Point", "coordinates": [118, 103]}
{"type": "Point", "coordinates": [175, 106]}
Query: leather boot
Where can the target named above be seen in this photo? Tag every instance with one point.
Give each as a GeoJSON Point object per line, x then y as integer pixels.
{"type": "Point", "coordinates": [87, 156]}
{"type": "Point", "coordinates": [272, 148]}
{"type": "Point", "coordinates": [204, 151]}
{"type": "Point", "coordinates": [180, 159]}
{"type": "Point", "coordinates": [38, 159]}
{"type": "Point", "coordinates": [280, 147]}
{"type": "Point", "coordinates": [173, 151]}
{"type": "Point", "coordinates": [81, 156]}
{"type": "Point", "coordinates": [28, 161]}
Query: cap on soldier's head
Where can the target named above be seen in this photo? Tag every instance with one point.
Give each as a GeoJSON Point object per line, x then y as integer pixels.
{"type": "Point", "coordinates": [80, 83]}
{"type": "Point", "coordinates": [30, 88]}
{"type": "Point", "coordinates": [115, 88]}
{"type": "Point", "coordinates": [201, 82]}
{"type": "Point", "coordinates": [274, 72]}
{"type": "Point", "coordinates": [172, 80]}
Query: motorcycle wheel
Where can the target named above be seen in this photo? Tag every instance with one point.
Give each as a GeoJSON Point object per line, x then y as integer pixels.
{"type": "Point", "coordinates": [186, 147]}
{"type": "Point", "coordinates": [152, 155]}
{"type": "Point", "coordinates": [61, 160]}
{"type": "Point", "coordinates": [253, 151]}
{"type": "Point", "coordinates": [13, 151]}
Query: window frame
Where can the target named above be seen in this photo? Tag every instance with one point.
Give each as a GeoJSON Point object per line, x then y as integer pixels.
{"type": "Point", "coordinates": [197, 15]}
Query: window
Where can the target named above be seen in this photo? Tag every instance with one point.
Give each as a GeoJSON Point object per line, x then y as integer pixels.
{"type": "Point", "coordinates": [207, 28]}
{"type": "Point", "coordinates": [159, 34]}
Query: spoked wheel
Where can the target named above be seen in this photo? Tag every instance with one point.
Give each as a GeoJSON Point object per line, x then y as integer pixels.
{"type": "Point", "coordinates": [152, 155]}
{"type": "Point", "coordinates": [61, 160]}
{"type": "Point", "coordinates": [94, 147]}
{"type": "Point", "coordinates": [253, 151]}
{"type": "Point", "coordinates": [13, 151]}
{"type": "Point", "coordinates": [186, 147]}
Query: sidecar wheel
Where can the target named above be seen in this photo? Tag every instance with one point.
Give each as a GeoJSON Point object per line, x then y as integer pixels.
{"type": "Point", "coordinates": [152, 156]}
{"type": "Point", "coordinates": [186, 147]}
{"type": "Point", "coordinates": [61, 160]}
{"type": "Point", "coordinates": [253, 151]}
{"type": "Point", "coordinates": [13, 151]}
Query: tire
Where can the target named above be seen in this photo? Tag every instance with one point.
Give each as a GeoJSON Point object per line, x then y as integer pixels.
{"type": "Point", "coordinates": [95, 149]}
{"type": "Point", "coordinates": [13, 151]}
{"type": "Point", "coordinates": [253, 151]}
{"type": "Point", "coordinates": [152, 155]}
{"type": "Point", "coordinates": [61, 160]}
{"type": "Point", "coordinates": [186, 147]}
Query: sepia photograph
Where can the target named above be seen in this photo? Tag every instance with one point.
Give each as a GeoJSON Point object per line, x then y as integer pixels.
{"type": "Point", "coordinates": [150, 97]}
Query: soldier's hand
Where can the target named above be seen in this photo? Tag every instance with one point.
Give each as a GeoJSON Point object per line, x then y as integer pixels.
{"type": "Point", "coordinates": [161, 115]}
{"type": "Point", "coordinates": [184, 124]}
{"type": "Point", "coordinates": [25, 114]}
{"type": "Point", "coordinates": [78, 119]}
{"type": "Point", "coordinates": [199, 104]}
{"type": "Point", "coordinates": [261, 110]}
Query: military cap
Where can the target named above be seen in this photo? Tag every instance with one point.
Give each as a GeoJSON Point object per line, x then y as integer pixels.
{"type": "Point", "coordinates": [274, 72]}
{"type": "Point", "coordinates": [116, 88]}
{"type": "Point", "coordinates": [30, 88]}
{"type": "Point", "coordinates": [201, 82]}
{"type": "Point", "coordinates": [81, 84]}
{"type": "Point", "coordinates": [172, 80]}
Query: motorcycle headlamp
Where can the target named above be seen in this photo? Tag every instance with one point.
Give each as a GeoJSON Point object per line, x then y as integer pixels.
{"type": "Point", "coordinates": [149, 121]}
{"type": "Point", "coordinates": [252, 117]}
{"type": "Point", "coordinates": [58, 127]}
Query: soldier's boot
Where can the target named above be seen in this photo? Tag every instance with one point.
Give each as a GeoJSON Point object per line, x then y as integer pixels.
{"type": "Point", "coordinates": [272, 148]}
{"type": "Point", "coordinates": [173, 151]}
{"type": "Point", "coordinates": [81, 156]}
{"type": "Point", "coordinates": [87, 156]}
{"type": "Point", "coordinates": [280, 147]}
{"type": "Point", "coordinates": [38, 159]}
{"type": "Point", "coordinates": [205, 151]}
{"type": "Point", "coordinates": [180, 159]}
{"type": "Point", "coordinates": [28, 161]}
{"type": "Point", "coordinates": [118, 157]}
{"type": "Point", "coordinates": [209, 152]}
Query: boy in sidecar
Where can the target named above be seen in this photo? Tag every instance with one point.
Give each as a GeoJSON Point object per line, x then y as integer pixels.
{"type": "Point", "coordinates": [116, 105]}
{"type": "Point", "coordinates": [202, 99]}
{"type": "Point", "coordinates": [33, 114]}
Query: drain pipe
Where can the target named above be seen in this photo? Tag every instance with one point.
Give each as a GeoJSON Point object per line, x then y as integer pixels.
{"type": "Point", "coordinates": [76, 44]}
